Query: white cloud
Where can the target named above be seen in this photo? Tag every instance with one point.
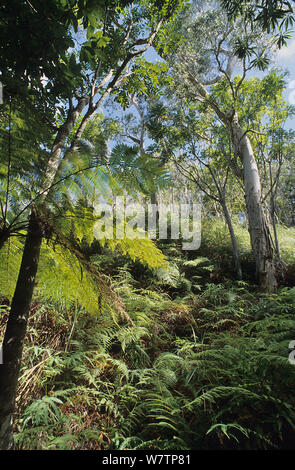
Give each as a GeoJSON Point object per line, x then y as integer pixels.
{"type": "Point", "coordinates": [288, 52]}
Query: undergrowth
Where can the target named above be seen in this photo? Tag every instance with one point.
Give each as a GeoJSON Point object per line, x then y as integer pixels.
{"type": "Point", "coordinates": [200, 362]}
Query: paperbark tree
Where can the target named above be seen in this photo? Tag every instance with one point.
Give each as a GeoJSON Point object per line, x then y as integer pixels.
{"type": "Point", "coordinates": [198, 147]}
{"type": "Point", "coordinates": [209, 57]}
{"type": "Point", "coordinates": [199, 175]}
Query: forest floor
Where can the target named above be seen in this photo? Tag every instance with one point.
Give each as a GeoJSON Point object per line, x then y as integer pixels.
{"type": "Point", "coordinates": [200, 361]}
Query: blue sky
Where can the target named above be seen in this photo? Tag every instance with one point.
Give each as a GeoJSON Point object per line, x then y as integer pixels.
{"type": "Point", "coordinates": [286, 60]}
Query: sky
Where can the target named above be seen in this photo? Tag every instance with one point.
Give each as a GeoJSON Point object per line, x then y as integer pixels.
{"type": "Point", "coordinates": [286, 60]}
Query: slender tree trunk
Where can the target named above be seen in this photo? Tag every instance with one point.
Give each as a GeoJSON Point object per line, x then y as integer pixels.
{"type": "Point", "coordinates": [274, 226]}
{"type": "Point", "coordinates": [235, 248]}
{"type": "Point", "coordinates": [17, 322]}
{"type": "Point", "coordinates": [154, 199]}
{"type": "Point", "coordinates": [261, 241]}
{"type": "Point", "coordinates": [20, 306]}
{"type": "Point", "coordinates": [16, 329]}
{"type": "Point", "coordinates": [273, 214]}
{"type": "Point", "coordinates": [4, 236]}
{"type": "Point", "coordinates": [155, 211]}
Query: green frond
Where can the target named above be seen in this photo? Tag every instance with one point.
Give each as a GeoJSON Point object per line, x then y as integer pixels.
{"type": "Point", "coordinates": [10, 260]}
{"type": "Point", "coordinates": [61, 276]}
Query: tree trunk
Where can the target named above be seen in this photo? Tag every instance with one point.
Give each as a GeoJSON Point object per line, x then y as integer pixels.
{"type": "Point", "coordinates": [261, 241]}
{"type": "Point", "coordinates": [20, 306]}
{"type": "Point", "coordinates": [236, 255]}
{"type": "Point", "coordinates": [155, 211]}
{"type": "Point", "coordinates": [4, 236]}
{"type": "Point", "coordinates": [16, 329]}
{"type": "Point", "coordinates": [274, 226]}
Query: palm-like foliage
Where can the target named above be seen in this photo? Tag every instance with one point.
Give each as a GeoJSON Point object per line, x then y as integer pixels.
{"type": "Point", "coordinates": [68, 221]}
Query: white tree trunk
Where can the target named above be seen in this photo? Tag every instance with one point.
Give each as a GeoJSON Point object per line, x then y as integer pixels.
{"type": "Point", "coordinates": [261, 241]}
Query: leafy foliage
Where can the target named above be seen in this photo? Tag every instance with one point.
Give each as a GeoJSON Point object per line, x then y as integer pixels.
{"type": "Point", "coordinates": [135, 343]}
{"type": "Point", "coordinates": [209, 370]}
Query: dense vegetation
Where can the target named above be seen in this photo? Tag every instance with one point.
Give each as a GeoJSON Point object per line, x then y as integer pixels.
{"type": "Point", "coordinates": [113, 340]}
{"type": "Point", "coordinates": [199, 363]}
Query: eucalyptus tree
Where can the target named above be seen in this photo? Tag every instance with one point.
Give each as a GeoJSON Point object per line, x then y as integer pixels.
{"type": "Point", "coordinates": [110, 38]}
{"type": "Point", "coordinates": [285, 194]}
{"type": "Point", "coordinates": [271, 15]}
{"type": "Point", "coordinates": [198, 146]}
{"type": "Point", "coordinates": [272, 142]}
{"type": "Point", "coordinates": [206, 165]}
{"type": "Point", "coordinates": [213, 48]}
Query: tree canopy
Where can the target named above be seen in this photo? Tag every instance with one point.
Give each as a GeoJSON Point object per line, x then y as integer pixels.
{"type": "Point", "coordinates": [147, 226]}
